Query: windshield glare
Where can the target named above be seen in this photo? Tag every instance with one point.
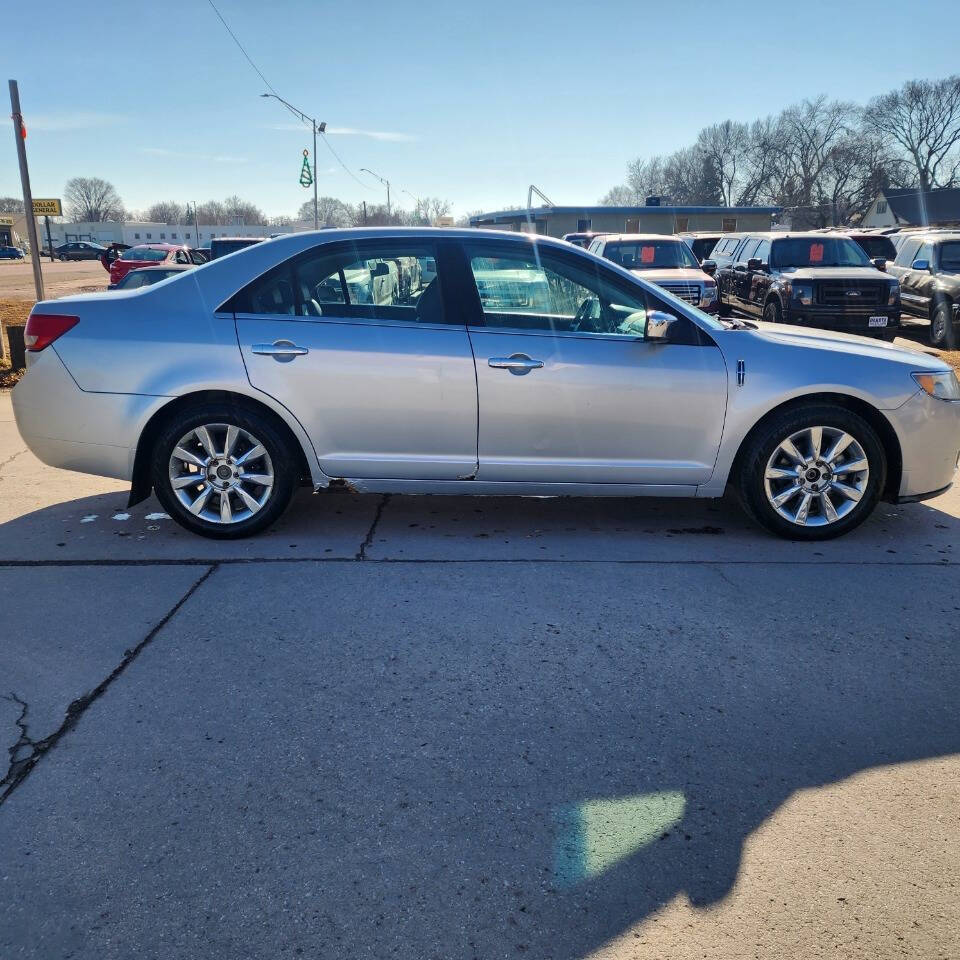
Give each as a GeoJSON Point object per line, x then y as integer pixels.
{"type": "Point", "coordinates": [817, 252]}
{"type": "Point", "coordinates": [950, 257]}
{"type": "Point", "coordinates": [651, 255]}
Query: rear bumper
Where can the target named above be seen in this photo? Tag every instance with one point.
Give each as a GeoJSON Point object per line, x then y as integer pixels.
{"type": "Point", "coordinates": [67, 428]}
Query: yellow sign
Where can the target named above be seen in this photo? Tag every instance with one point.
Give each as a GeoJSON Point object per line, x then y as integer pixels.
{"type": "Point", "coordinates": [47, 208]}
{"type": "Point", "coordinates": [6, 221]}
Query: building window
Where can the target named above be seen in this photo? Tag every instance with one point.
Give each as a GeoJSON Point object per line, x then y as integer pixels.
{"type": "Point", "coordinates": [187, 235]}
{"type": "Point", "coordinates": [683, 224]}
{"type": "Point", "coordinates": [173, 236]}
{"type": "Point", "coordinates": [149, 236]}
{"type": "Point", "coordinates": [163, 236]}
{"type": "Point", "coordinates": [881, 206]}
{"type": "Point", "coordinates": [729, 225]}
{"type": "Point", "coordinates": [584, 225]}
{"type": "Point", "coordinates": [136, 236]}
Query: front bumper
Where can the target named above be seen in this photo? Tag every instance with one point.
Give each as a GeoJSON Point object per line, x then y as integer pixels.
{"type": "Point", "coordinates": [929, 434]}
{"type": "Point", "coordinates": [843, 321]}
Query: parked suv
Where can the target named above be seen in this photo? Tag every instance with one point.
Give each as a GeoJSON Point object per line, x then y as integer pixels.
{"type": "Point", "coordinates": [666, 261]}
{"type": "Point", "coordinates": [808, 279]}
{"type": "Point", "coordinates": [928, 268]}
{"type": "Point", "coordinates": [701, 243]}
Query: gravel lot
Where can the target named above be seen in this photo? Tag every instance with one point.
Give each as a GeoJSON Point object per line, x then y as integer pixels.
{"type": "Point", "coordinates": [441, 727]}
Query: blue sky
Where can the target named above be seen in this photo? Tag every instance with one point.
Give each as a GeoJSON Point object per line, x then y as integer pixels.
{"type": "Point", "coordinates": [468, 101]}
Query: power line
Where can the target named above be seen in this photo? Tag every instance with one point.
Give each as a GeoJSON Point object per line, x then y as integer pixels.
{"type": "Point", "coordinates": [272, 89]}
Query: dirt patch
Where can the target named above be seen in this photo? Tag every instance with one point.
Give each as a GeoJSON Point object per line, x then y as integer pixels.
{"type": "Point", "coordinates": [59, 279]}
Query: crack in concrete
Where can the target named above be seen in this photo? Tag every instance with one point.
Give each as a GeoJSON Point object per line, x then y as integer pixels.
{"type": "Point", "coordinates": [368, 540]}
{"type": "Point", "coordinates": [20, 767]}
{"type": "Point", "coordinates": [9, 460]}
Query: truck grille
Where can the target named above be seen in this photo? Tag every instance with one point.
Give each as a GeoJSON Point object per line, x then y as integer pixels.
{"type": "Point", "coordinates": [685, 291]}
{"type": "Point", "coordinates": [852, 293]}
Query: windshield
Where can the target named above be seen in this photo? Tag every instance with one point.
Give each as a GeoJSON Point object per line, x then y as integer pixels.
{"type": "Point", "coordinates": [651, 254]}
{"type": "Point", "coordinates": [950, 257]}
{"type": "Point", "coordinates": [817, 252]}
{"type": "Point", "coordinates": [145, 253]}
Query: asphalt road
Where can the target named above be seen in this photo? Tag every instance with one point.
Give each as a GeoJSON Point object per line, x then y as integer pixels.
{"type": "Point", "coordinates": [444, 728]}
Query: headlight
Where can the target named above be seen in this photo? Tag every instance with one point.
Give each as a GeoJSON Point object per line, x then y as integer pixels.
{"type": "Point", "coordinates": [709, 291]}
{"type": "Point", "coordinates": [802, 292]}
{"type": "Point", "coordinates": [894, 298]}
{"type": "Point", "coordinates": [943, 386]}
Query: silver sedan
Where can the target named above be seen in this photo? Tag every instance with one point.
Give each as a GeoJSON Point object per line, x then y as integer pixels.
{"type": "Point", "coordinates": [443, 361]}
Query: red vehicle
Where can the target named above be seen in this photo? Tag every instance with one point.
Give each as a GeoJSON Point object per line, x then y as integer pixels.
{"type": "Point", "coordinates": [151, 255]}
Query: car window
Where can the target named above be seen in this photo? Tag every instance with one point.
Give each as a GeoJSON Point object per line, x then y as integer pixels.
{"type": "Point", "coordinates": [906, 255]}
{"type": "Point", "coordinates": [877, 246]}
{"type": "Point", "coordinates": [392, 281]}
{"type": "Point", "coordinates": [950, 256]}
{"type": "Point", "coordinates": [925, 253]}
{"type": "Point", "coordinates": [747, 251]}
{"type": "Point", "coordinates": [135, 278]}
{"type": "Point", "coordinates": [763, 251]}
{"type": "Point", "coordinates": [534, 289]}
{"type": "Point", "coordinates": [145, 254]}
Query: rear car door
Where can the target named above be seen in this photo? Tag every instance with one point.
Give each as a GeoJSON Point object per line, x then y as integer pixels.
{"type": "Point", "coordinates": [569, 389]}
{"type": "Point", "coordinates": [741, 276]}
{"type": "Point", "coordinates": [382, 378]}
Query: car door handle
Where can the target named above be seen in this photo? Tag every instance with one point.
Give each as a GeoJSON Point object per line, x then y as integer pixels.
{"type": "Point", "coordinates": [518, 364]}
{"type": "Point", "coordinates": [281, 350]}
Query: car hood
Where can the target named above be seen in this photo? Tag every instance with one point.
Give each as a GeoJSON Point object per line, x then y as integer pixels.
{"type": "Point", "coordinates": [834, 273]}
{"type": "Point", "coordinates": [682, 275]}
{"type": "Point", "coordinates": [835, 342]}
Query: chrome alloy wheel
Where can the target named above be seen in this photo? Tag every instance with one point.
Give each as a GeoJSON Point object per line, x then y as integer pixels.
{"type": "Point", "coordinates": [221, 473]}
{"type": "Point", "coordinates": [816, 476]}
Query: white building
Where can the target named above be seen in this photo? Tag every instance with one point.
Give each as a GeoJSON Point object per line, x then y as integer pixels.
{"type": "Point", "coordinates": [141, 231]}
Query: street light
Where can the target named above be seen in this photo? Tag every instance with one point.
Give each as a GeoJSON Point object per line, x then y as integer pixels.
{"type": "Point", "coordinates": [418, 202]}
{"type": "Point", "coordinates": [317, 128]}
{"type": "Point", "coordinates": [385, 182]}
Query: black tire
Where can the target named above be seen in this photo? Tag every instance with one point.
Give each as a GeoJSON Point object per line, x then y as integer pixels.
{"type": "Point", "coordinates": [942, 333]}
{"type": "Point", "coordinates": [772, 312]}
{"type": "Point", "coordinates": [762, 443]}
{"type": "Point", "coordinates": [62, 257]}
{"type": "Point", "coordinates": [284, 461]}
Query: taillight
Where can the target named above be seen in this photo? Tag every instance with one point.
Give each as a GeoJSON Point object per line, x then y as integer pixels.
{"type": "Point", "coordinates": [43, 328]}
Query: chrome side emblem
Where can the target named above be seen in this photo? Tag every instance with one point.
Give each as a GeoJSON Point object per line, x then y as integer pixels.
{"type": "Point", "coordinates": [741, 372]}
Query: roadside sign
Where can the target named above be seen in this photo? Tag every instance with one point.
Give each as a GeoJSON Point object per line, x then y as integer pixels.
{"type": "Point", "coordinates": [6, 221]}
{"type": "Point", "coordinates": [47, 208]}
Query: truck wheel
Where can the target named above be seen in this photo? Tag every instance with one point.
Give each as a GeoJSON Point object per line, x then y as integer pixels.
{"type": "Point", "coordinates": [771, 312]}
{"type": "Point", "coordinates": [812, 472]}
{"type": "Point", "coordinates": [942, 333]}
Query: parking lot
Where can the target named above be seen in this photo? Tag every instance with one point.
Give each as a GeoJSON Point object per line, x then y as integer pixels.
{"type": "Point", "coordinates": [445, 727]}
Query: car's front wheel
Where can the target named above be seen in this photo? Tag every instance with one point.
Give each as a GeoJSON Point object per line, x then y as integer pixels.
{"type": "Point", "coordinates": [222, 471]}
{"type": "Point", "coordinates": [771, 312]}
{"type": "Point", "coordinates": [942, 333]}
{"type": "Point", "coordinates": [812, 473]}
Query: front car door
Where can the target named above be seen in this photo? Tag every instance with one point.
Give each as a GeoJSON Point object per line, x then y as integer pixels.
{"type": "Point", "coordinates": [741, 275]}
{"type": "Point", "coordinates": [758, 281]}
{"type": "Point", "coordinates": [381, 376]}
{"type": "Point", "coordinates": [569, 389]}
{"type": "Point", "coordinates": [902, 268]}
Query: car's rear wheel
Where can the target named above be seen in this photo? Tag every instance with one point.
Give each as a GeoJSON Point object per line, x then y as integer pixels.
{"type": "Point", "coordinates": [222, 471]}
{"type": "Point", "coordinates": [812, 473]}
{"type": "Point", "coordinates": [62, 258]}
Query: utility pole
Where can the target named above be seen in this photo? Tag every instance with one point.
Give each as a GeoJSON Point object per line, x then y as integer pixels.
{"type": "Point", "coordinates": [20, 135]}
{"type": "Point", "coordinates": [196, 221]}
{"type": "Point", "coordinates": [317, 128]}
{"type": "Point", "coordinates": [384, 181]}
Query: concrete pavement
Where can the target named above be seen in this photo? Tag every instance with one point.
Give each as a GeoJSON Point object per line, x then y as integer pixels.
{"type": "Point", "coordinates": [440, 727]}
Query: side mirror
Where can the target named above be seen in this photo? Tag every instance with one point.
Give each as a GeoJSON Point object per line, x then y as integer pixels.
{"type": "Point", "coordinates": [662, 327]}
{"type": "Point", "coordinates": [880, 263]}
{"type": "Point", "coordinates": [754, 263]}
{"type": "Point", "coordinates": [920, 265]}
{"type": "Point", "coordinates": [709, 267]}
{"type": "Point", "coordinates": [381, 269]}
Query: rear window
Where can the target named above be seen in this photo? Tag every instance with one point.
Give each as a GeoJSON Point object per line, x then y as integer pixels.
{"type": "Point", "coordinates": [144, 254]}
{"type": "Point", "coordinates": [878, 246]}
{"type": "Point", "coordinates": [822, 251]}
{"type": "Point", "coordinates": [651, 254]}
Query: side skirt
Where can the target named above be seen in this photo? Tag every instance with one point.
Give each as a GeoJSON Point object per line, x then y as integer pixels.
{"type": "Point", "coordinates": [515, 489]}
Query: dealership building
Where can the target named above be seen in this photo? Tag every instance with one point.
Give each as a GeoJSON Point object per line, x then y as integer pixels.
{"type": "Point", "coordinates": [652, 217]}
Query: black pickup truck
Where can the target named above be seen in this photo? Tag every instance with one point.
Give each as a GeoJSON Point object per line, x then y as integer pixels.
{"type": "Point", "coordinates": [928, 268]}
{"type": "Point", "coordinates": [807, 279]}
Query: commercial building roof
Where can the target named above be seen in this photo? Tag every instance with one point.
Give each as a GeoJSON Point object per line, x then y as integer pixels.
{"type": "Point", "coordinates": [632, 211]}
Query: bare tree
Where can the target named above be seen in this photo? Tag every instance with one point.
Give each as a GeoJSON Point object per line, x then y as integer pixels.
{"type": "Point", "coordinates": [167, 211]}
{"type": "Point", "coordinates": [242, 211]}
{"type": "Point", "coordinates": [429, 209]}
{"type": "Point", "coordinates": [332, 212]}
{"type": "Point", "coordinates": [212, 212]}
{"type": "Point", "coordinates": [11, 205]}
{"type": "Point", "coordinates": [619, 196]}
{"type": "Point", "coordinates": [92, 200]}
{"type": "Point", "coordinates": [726, 147]}
{"type": "Point", "coordinates": [923, 118]}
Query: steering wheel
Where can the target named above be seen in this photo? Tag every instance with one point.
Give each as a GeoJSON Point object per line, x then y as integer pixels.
{"type": "Point", "coordinates": [585, 312]}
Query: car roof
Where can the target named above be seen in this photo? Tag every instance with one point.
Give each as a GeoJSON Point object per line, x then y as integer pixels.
{"type": "Point", "coordinates": [160, 246]}
{"type": "Point", "coordinates": [643, 237]}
